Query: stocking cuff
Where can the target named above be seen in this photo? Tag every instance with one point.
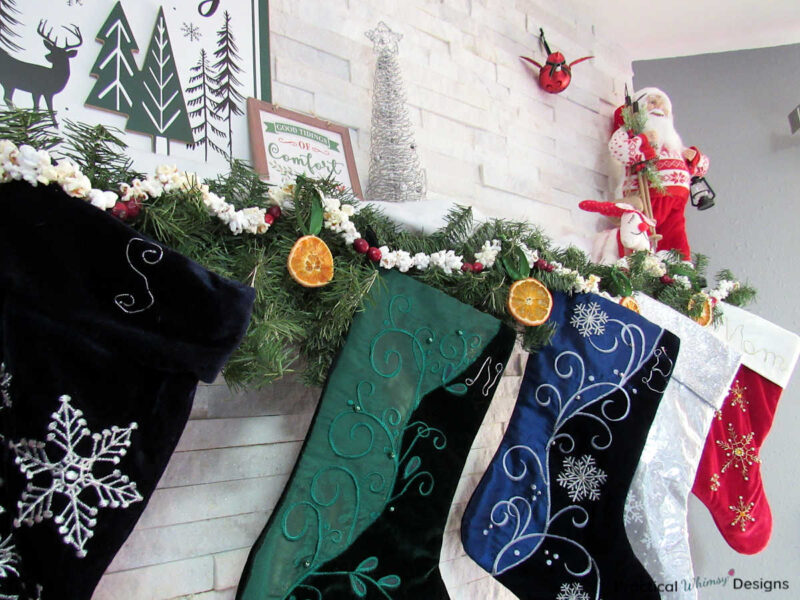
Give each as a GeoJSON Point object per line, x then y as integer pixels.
{"type": "Point", "coordinates": [700, 347]}
{"type": "Point", "coordinates": [767, 349]}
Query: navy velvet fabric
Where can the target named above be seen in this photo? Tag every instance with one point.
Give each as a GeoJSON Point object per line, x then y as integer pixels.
{"type": "Point", "coordinates": [103, 336]}
{"type": "Point", "coordinates": [586, 550]}
{"type": "Point", "coordinates": [598, 347]}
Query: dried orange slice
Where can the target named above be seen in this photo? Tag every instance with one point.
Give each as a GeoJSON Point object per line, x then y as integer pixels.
{"type": "Point", "coordinates": [310, 262]}
{"type": "Point", "coordinates": [707, 315]}
{"type": "Point", "coordinates": [529, 301]}
{"type": "Point", "coordinates": [631, 303]}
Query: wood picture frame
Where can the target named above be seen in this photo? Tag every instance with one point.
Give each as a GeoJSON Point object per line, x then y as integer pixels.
{"type": "Point", "coordinates": [283, 141]}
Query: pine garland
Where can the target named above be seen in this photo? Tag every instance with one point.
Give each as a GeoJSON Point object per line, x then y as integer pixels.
{"type": "Point", "coordinates": [299, 329]}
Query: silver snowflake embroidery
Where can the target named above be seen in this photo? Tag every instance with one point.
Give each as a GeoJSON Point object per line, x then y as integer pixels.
{"type": "Point", "coordinates": [634, 509]}
{"type": "Point", "coordinates": [572, 591]}
{"type": "Point", "coordinates": [589, 319]}
{"type": "Point", "coordinates": [74, 475]}
{"type": "Point", "coordinates": [5, 384]}
{"type": "Point", "coordinates": [191, 32]}
{"type": "Point", "coordinates": [8, 558]}
{"type": "Point", "coordinates": [581, 478]}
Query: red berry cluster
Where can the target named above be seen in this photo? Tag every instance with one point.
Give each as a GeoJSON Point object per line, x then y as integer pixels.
{"type": "Point", "coordinates": [667, 280]}
{"type": "Point", "coordinates": [273, 214]}
{"type": "Point", "coordinates": [543, 265]}
{"type": "Point", "coordinates": [127, 211]}
{"type": "Point", "coordinates": [475, 267]}
{"type": "Point", "coordinates": [362, 247]}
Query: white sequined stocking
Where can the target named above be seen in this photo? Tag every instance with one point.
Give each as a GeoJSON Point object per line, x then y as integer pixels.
{"type": "Point", "coordinates": [656, 507]}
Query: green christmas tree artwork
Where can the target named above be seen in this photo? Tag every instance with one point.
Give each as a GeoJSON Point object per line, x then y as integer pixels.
{"type": "Point", "coordinates": [115, 67]}
{"type": "Point", "coordinates": [158, 108]}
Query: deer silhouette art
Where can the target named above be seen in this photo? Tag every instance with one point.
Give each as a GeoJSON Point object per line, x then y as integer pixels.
{"type": "Point", "coordinates": [37, 79]}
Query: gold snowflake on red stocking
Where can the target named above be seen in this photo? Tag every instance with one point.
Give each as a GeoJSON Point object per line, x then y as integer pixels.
{"type": "Point", "coordinates": [737, 396]}
{"type": "Point", "coordinates": [739, 450]}
{"type": "Point", "coordinates": [742, 517]}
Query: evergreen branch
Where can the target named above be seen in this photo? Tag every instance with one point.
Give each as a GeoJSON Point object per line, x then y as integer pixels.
{"type": "Point", "coordinates": [32, 127]}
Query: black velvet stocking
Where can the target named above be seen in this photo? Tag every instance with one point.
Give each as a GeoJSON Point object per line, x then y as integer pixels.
{"type": "Point", "coordinates": [103, 336]}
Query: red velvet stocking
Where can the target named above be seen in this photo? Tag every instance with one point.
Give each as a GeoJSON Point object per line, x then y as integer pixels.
{"type": "Point", "coordinates": [728, 479]}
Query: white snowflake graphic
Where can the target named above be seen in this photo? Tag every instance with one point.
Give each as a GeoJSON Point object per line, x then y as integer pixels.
{"type": "Point", "coordinates": [634, 509]}
{"type": "Point", "coordinates": [5, 384]}
{"type": "Point", "coordinates": [589, 319]}
{"type": "Point", "coordinates": [73, 475]}
{"type": "Point", "coordinates": [572, 591]}
{"type": "Point", "coordinates": [191, 31]}
{"type": "Point", "coordinates": [581, 477]}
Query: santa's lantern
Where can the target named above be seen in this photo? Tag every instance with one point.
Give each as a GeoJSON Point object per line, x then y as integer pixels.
{"type": "Point", "coordinates": [702, 194]}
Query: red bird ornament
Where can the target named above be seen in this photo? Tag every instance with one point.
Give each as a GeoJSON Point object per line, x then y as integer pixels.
{"type": "Point", "coordinates": [555, 74]}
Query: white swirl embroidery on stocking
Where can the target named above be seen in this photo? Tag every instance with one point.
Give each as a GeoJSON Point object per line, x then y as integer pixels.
{"type": "Point", "coordinates": [490, 382]}
{"type": "Point", "coordinates": [664, 365]}
{"type": "Point", "coordinates": [151, 256]}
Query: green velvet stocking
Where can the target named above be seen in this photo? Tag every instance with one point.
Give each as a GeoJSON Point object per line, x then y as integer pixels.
{"type": "Point", "coordinates": [409, 341]}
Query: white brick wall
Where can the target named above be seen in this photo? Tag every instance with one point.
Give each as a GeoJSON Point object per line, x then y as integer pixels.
{"type": "Point", "coordinates": [487, 136]}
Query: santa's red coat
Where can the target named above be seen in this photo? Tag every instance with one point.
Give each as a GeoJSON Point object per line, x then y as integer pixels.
{"type": "Point", "coordinates": [676, 174]}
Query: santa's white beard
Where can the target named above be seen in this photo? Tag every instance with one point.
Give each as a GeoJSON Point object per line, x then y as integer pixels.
{"type": "Point", "coordinates": [664, 128]}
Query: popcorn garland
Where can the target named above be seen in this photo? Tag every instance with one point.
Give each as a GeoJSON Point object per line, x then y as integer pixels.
{"type": "Point", "coordinates": [336, 218]}
{"type": "Point", "coordinates": [36, 167]}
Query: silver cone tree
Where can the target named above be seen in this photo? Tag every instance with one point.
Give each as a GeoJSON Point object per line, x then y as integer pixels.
{"type": "Point", "coordinates": [395, 174]}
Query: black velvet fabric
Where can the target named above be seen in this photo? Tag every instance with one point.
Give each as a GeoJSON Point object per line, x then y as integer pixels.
{"type": "Point", "coordinates": [100, 328]}
{"type": "Point", "coordinates": [407, 537]}
{"type": "Point", "coordinates": [616, 574]}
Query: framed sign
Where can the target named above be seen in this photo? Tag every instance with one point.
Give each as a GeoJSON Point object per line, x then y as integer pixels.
{"type": "Point", "coordinates": [285, 144]}
{"type": "Point", "coordinates": [172, 75]}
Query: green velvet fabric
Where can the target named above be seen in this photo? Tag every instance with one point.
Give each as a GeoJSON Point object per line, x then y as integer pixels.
{"type": "Point", "coordinates": [409, 341]}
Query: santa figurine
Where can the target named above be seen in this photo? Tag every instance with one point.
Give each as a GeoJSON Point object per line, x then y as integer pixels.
{"type": "Point", "coordinates": [675, 163]}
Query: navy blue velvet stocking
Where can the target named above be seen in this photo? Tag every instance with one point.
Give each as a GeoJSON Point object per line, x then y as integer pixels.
{"type": "Point", "coordinates": [546, 519]}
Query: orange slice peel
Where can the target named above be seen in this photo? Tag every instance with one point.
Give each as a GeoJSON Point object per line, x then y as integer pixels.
{"type": "Point", "coordinates": [310, 262]}
{"type": "Point", "coordinates": [707, 316]}
{"type": "Point", "coordinates": [630, 303]}
{"type": "Point", "coordinates": [529, 302]}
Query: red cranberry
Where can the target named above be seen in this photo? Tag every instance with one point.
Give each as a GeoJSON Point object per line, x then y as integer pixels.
{"type": "Point", "coordinates": [120, 210]}
{"type": "Point", "coordinates": [374, 254]}
{"type": "Point", "coordinates": [477, 267]}
{"type": "Point", "coordinates": [269, 219]}
{"type": "Point", "coordinates": [275, 211]}
{"type": "Point", "coordinates": [466, 267]}
{"type": "Point", "coordinates": [361, 245]}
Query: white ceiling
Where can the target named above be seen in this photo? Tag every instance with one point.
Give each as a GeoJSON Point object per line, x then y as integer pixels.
{"type": "Point", "coordinates": [669, 28]}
